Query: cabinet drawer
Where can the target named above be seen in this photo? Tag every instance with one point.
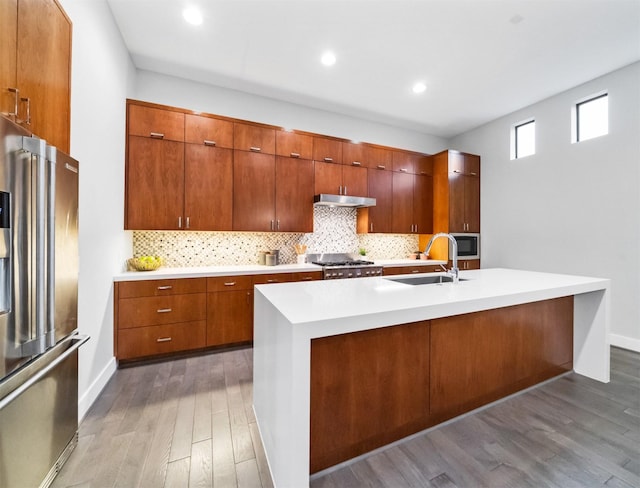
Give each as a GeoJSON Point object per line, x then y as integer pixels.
{"type": "Point", "coordinates": [152, 288]}
{"type": "Point", "coordinates": [229, 283]}
{"type": "Point", "coordinates": [398, 270]}
{"type": "Point", "coordinates": [139, 312]}
{"type": "Point", "coordinates": [154, 122]}
{"type": "Point", "coordinates": [208, 131]}
{"type": "Point", "coordinates": [161, 339]}
{"type": "Point", "coordinates": [308, 276]}
{"type": "Point", "coordinates": [264, 279]}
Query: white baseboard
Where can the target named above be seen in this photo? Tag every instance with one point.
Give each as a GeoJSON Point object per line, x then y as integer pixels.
{"type": "Point", "coordinates": [92, 393]}
{"type": "Point", "coordinates": [625, 342]}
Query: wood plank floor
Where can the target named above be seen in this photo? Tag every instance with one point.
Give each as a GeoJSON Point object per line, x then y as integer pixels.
{"type": "Point", "coordinates": [189, 423]}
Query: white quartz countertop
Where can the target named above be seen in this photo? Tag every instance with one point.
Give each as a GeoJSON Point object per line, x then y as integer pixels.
{"type": "Point", "coordinates": [235, 270]}
{"type": "Point", "coordinates": [382, 300]}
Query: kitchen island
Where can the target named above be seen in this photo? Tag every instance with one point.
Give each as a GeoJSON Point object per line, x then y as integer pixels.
{"type": "Point", "coordinates": [342, 367]}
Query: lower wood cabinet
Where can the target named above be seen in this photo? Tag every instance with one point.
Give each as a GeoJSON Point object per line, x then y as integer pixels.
{"type": "Point", "coordinates": [229, 310]}
{"type": "Point", "coordinates": [410, 269]}
{"type": "Point", "coordinates": [157, 317]}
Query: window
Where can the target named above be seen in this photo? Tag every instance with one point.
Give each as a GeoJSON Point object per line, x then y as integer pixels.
{"type": "Point", "coordinates": [523, 139]}
{"type": "Point", "coordinates": [591, 118]}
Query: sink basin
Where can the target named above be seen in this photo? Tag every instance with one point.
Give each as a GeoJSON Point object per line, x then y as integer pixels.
{"type": "Point", "coordinates": [425, 280]}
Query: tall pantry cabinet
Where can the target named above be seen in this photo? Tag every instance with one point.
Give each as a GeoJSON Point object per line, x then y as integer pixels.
{"type": "Point", "coordinates": [35, 68]}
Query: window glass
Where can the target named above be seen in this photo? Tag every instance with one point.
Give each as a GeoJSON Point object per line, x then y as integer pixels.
{"type": "Point", "coordinates": [592, 118]}
{"type": "Point", "coordinates": [525, 139]}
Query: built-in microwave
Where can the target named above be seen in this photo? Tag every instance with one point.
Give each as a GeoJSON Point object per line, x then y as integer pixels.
{"type": "Point", "coordinates": [468, 246]}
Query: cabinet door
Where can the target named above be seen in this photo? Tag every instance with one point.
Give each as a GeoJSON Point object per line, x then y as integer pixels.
{"type": "Point", "coordinates": [154, 122]}
{"type": "Point", "coordinates": [423, 204]}
{"type": "Point", "coordinates": [402, 222]}
{"type": "Point", "coordinates": [457, 222]}
{"type": "Point", "coordinates": [354, 181]}
{"type": "Point", "coordinates": [472, 203]}
{"type": "Point", "coordinates": [294, 195]}
{"type": "Point", "coordinates": [208, 131]}
{"type": "Point", "coordinates": [405, 162]}
{"type": "Point", "coordinates": [44, 70]}
{"type": "Point", "coordinates": [380, 188]}
{"type": "Point", "coordinates": [354, 154]}
{"type": "Point", "coordinates": [8, 53]}
{"type": "Point", "coordinates": [328, 178]}
{"type": "Point", "coordinates": [328, 150]}
{"type": "Point", "coordinates": [254, 195]}
{"type": "Point", "coordinates": [154, 184]}
{"type": "Point", "coordinates": [379, 158]}
{"type": "Point", "coordinates": [294, 145]}
{"type": "Point", "coordinates": [247, 137]}
{"type": "Point", "coordinates": [208, 179]}
{"type": "Point", "coordinates": [229, 317]}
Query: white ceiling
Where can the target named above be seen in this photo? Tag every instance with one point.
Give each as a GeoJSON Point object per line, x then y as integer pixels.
{"type": "Point", "coordinates": [480, 58]}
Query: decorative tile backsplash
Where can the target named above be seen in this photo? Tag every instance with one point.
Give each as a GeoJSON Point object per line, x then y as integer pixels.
{"type": "Point", "coordinates": [334, 230]}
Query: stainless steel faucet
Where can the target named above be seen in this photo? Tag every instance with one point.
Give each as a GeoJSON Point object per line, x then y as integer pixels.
{"type": "Point", "coordinates": [453, 272]}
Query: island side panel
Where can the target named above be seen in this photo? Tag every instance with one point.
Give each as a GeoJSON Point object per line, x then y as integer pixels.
{"type": "Point", "coordinates": [591, 346]}
{"type": "Point", "coordinates": [281, 393]}
{"type": "Point", "coordinates": [480, 357]}
{"type": "Point", "coordinates": [368, 389]}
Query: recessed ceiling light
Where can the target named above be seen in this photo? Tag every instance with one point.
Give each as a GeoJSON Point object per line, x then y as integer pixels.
{"type": "Point", "coordinates": [419, 87]}
{"type": "Point", "coordinates": [192, 15]}
{"type": "Point", "coordinates": [328, 58]}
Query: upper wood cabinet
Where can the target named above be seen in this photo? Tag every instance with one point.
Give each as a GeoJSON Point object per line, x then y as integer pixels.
{"type": "Point", "coordinates": [355, 154]}
{"type": "Point", "coordinates": [254, 191]}
{"type": "Point", "coordinates": [294, 145]}
{"type": "Point", "coordinates": [208, 187]}
{"type": "Point", "coordinates": [412, 204]}
{"type": "Point", "coordinates": [379, 218]}
{"type": "Point", "coordinates": [294, 194]}
{"type": "Point", "coordinates": [327, 150]}
{"type": "Point", "coordinates": [410, 162]}
{"type": "Point", "coordinates": [154, 190]}
{"type": "Point", "coordinates": [379, 158]}
{"type": "Point", "coordinates": [338, 179]}
{"type": "Point", "coordinates": [156, 123]}
{"type": "Point", "coordinates": [255, 138]}
{"type": "Point", "coordinates": [209, 131]}
{"type": "Point", "coordinates": [456, 192]}
{"type": "Point", "coordinates": [35, 68]}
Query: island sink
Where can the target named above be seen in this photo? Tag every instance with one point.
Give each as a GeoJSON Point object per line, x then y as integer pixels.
{"type": "Point", "coordinates": [425, 280]}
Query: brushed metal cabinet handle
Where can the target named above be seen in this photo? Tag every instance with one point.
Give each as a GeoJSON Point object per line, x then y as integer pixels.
{"type": "Point", "coordinates": [307, 278]}
{"type": "Point", "coordinates": [382, 166]}
{"type": "Point", "coordinates": [156, 135]}
{"type": "Point", "coordinates": [209, 143]}
{"type": "Point", "coordinates": [16, 101]}
{"type": "Point", "coordinates": [473, 174]}
{"type": "Point", "coordinates": [345, 190]}
{"type": "Point", "coordinates": [403, 170]}
{"type": "Point", "coordinates": [295, 155]}
{"type": "Point", "coordinates": [356, 163]}
{"type": "Point", "coordinates": [415, 270]}
{"type": "Point", "coordinates": [163, 310]}
{"type": "Point", "coordinates": [328, 160]}
{"type": "Point", "coordinates": [278, 224]}
{"type": "Point", "coordinates": [163, 339]}
{"type": "Point", "coordinates": [165, 287]}
{"type": "Point", "coordinates": [28, 100]}
{"type": "Point", "coordinates": [272, 281]}
{"type": "Point", "coordinates": [255, 149]}
{"type": "Point", "coordinates": [230, 283]}
{"type": "Point", "coordinates": [188, 223]}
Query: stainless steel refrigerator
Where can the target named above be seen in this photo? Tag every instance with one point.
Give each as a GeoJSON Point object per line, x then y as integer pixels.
{"type": "Point", "coordinates": [38, 308]}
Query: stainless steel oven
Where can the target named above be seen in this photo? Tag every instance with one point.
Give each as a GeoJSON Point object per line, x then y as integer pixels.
{"type": "Point", "coordinates": [468, 246]}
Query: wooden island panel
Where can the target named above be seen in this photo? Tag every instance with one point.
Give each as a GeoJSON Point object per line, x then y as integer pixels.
{"type": "Point", "coordinates": [368, 388]}
{"type": "Point", "coordinates": [480, 357]}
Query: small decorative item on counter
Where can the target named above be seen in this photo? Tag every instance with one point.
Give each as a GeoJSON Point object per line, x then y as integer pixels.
{"type": "Point", "coordinates": [262, 257]}
{"type": "Point", "coordinates": [271, 259]}
{"type": "Point", "coordinates": [424, 256]}
{"type": "Point", "coordinates": [416, 254]}
{"type": "Point", "coordinates": [362, 251]}
{"type": "Point", "coordinates": [276, 253]}
{"type": "Point", "coordinates": [144, 263]}
{"type": "Point", "coordinates": [301, 250]}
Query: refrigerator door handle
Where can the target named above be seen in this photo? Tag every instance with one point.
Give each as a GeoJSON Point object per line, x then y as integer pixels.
{"type": "Point", "coordinates": [38, 149]}
{"type": "Point", "coordinates": [50, 326]}
{"type": "Point", "coordinates": [80, 339]}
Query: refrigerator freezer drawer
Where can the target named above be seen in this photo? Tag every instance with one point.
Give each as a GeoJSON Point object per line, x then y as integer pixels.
{"type": "Point", "coordinates": [39, 417]}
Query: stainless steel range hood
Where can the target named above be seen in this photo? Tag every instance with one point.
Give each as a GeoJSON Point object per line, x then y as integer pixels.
{"type": "Point", "coordinates": [343, 201]}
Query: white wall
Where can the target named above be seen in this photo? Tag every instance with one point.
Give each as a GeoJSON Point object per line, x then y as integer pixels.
{"type": "Point", "coordinates": [570, 208]}
{"type": "Point", "coordinates": [102, 78]}
{"type": "Point", "coordinates": [178, 92]}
